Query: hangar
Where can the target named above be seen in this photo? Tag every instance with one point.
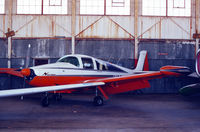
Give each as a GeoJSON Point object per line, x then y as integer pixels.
{"type": "Point", "coordinates": [58, 28]}
{"type": "Point", "coordinates": [111, 30]}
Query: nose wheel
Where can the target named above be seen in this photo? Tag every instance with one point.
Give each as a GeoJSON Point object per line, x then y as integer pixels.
{"type": "Point", "coordinates": [45, 100]}
{"type": "Point", "coordinates": [98, 101]}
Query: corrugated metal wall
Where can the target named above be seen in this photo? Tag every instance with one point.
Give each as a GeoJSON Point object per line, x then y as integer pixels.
{"type": "Point", "coordinates": [121, 52]}
{"type": "Point", "coordinates": [168, 40]}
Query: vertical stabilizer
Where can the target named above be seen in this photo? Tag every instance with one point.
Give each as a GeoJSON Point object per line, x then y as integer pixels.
{"type": "Point", "coordinates": [142, 61]}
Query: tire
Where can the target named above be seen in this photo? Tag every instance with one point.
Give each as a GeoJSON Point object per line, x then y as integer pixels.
{"type": "Point", "coordinates": [98, 101]}
{"type": "Point", "coordinates": [45, 102]}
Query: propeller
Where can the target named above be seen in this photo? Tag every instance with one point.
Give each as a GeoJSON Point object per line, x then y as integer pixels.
{"type": "Point", "coordinates": [28, 56]}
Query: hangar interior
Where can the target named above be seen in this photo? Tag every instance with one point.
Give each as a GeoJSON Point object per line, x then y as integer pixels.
{"type": "Point", "coordinates": [112, 30]}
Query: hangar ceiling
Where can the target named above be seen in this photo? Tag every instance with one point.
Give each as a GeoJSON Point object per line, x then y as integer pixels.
{"type": "Point", "coordinates": [103, 26]}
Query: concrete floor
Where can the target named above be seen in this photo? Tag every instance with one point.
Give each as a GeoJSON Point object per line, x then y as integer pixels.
{"type": "Point", "coordinates": [139, 113]}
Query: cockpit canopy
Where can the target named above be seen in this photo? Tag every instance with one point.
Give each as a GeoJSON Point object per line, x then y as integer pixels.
{"type": "Point", "coordinates": [90, 63]}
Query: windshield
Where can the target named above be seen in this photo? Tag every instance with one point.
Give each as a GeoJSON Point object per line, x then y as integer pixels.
{"type": "Point", "coordinates": [71, 60]}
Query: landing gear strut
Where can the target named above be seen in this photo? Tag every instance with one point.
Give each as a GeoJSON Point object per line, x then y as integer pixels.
{"type": "Point", "coordinates": [57, 96]}
{"type": "Point", "coordinates": [98, 101]}
{"type": "Point", "coordinates": [45, 100]}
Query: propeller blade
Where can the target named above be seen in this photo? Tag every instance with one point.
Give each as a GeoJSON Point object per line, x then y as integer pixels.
{"type": "Point", "coordinates": [28, 56]}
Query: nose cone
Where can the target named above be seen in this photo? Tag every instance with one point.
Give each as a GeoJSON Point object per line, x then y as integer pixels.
{"type": "Point", "coordinates": [26, 72]}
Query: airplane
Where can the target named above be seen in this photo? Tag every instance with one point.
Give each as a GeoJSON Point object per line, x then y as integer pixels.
{"type": "Point", "coordinates": [193, 89]}
{"type": "Point", "coordinates": [74, 72]}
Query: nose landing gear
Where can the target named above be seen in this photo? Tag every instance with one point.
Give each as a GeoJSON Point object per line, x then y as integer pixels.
{"type": "Point", "coordinates": [57, 96]}
{"type": "Point", "coordinates": [45, 101]}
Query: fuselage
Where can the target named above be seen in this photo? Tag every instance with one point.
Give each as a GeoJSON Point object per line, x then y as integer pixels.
{"type": "Point", "coordinates": [72, 69]}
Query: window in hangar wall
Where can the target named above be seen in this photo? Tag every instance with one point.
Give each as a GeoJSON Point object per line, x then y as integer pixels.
{"type": "Point", "coordinates": [42, 6]}
{"type": "Point", "coordinates": [40, 61]}
{"type": "Point", "coordinates": [2, 6]}
{"type": "Point", "coordinates": [29, 6]}
{"type": "Point", "coordinates": [102, 7]}
{"type": "Point", "coordinates": [55, 7]}
{"type": "Point", "coordinates": [166, 7]}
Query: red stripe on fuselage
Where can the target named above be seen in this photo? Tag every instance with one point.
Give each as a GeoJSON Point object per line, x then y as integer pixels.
{"type": "Point", "coordinates": [59, 80]}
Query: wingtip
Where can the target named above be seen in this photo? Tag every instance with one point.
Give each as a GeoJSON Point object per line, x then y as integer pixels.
{"type": "Point", "coordinates": [175, 70]}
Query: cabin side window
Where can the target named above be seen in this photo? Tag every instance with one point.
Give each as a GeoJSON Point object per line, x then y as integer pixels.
{"type": "Point", "coordinates": [101, 67]}
{"type": "Point", "coordinates": [87, 63]}
{"type": "Point", "coordinates": [71, 60]}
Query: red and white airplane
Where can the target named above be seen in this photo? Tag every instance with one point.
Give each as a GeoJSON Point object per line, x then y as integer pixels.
{"type": "Point", "coordinates": [74, 72]}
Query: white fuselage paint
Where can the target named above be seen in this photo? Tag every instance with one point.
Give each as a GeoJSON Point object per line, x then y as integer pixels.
{"type": "Point", "coordinates": [100, 68]}
{"type": "Point", "coordinates": [67, 69]}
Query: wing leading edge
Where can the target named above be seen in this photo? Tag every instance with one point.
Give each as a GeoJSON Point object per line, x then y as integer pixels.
{"type": "Point", "coordinates": [16, 92]}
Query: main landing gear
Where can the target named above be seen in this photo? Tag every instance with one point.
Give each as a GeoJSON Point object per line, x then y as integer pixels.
{"type": "Point", "coordinates": [98, 101]}
{"type": "Point", "coordinates": [57, 96]}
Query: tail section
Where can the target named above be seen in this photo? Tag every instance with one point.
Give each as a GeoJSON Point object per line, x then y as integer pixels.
{"type": "Point", "coordinates": [142, 63]}
{"type": "Point", "coordinates": [198, 63]}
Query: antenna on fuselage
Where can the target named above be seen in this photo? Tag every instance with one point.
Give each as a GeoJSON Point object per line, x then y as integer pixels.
{"type": "Point", "coordinates": [110, 56]}
{"type": "Point", "coordinates": [119, 58]}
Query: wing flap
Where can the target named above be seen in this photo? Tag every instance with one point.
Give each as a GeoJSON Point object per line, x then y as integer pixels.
{"type": "Point", "coordinates": [16, 92]}
{"type": "Point", "coordinates": [124, 87]}
{"type": "Point", "coordinates": [115, 85]}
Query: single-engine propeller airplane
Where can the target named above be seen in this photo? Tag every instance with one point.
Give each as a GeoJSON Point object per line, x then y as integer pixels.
{"type": "Point", "coordinates": [74, 72]}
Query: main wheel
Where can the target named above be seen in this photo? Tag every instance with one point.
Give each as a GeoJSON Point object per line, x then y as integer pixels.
{"type": "Point", "coordinates": [45, 101]}
{"type": "Point", "coordinates": [98, 101]}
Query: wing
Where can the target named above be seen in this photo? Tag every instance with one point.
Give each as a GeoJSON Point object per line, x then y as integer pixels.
{"type": "Point", "coordinates": [16, 92]}
{"type": "Point", "coordinates": [11, 71]}
{"type": "Point", "coordinates": [137, 81]}
{"type": "Point", "coordinates": [147, 75]}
